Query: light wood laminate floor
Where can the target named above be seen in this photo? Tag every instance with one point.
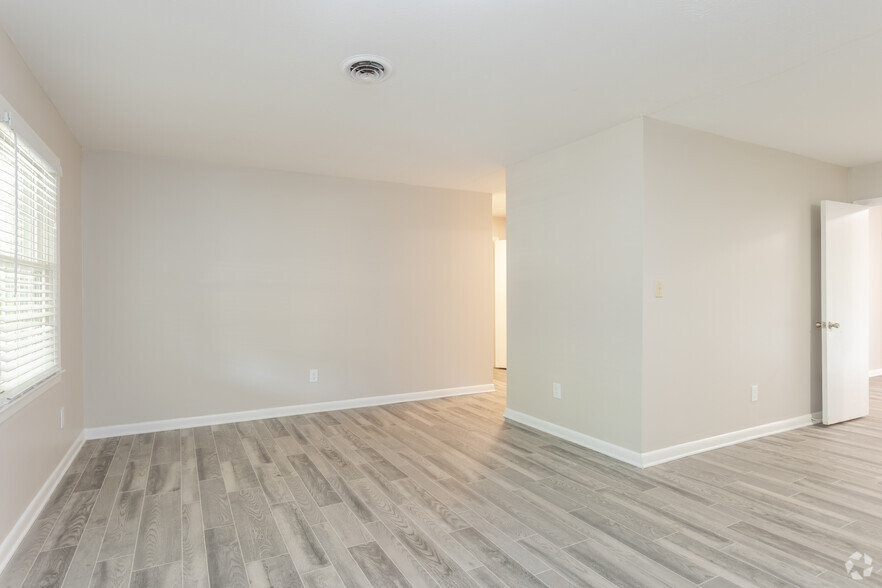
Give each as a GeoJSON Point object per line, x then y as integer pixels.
{"type": "Point", "coordinates": [446, 493]}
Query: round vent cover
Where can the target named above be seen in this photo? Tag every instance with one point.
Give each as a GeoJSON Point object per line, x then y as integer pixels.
{"type": "Point", "coordinates": [367, 69]}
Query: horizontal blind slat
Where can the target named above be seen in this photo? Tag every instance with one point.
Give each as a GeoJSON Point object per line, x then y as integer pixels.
{"type": "Point", "coordinates": [27, 354]}
{"type": "Point", "coordinates": [28, 266]}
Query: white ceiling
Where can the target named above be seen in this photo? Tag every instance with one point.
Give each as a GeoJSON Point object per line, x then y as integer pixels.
{"type": "Point", "coordinates": [478, 84]}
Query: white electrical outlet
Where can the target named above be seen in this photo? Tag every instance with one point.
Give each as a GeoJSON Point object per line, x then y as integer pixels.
{"type": "Point", "coordinates": [555, 390]}
{"type": "Point", "coordinates": [313, 375]}
{"type": "Point", "coordinates": [754, 393]}
{"type": "Point", "coordinates": [61, 418]}
{"type": "Point", "coordinates": [659, 289]}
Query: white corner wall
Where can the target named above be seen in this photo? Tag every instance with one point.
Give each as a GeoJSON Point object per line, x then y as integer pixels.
{"type": "Point", "coordinates": [214, 290]}
{"type": "Point", "coordinates": [33, 444]}
{"type": "Point", "coordinates": [733, 231]}
{"type": "Point", "coordinates": [575, 247]}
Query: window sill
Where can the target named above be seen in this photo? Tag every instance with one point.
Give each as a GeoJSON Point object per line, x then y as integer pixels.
{"type": "Point", "coordinates": [22, 400]}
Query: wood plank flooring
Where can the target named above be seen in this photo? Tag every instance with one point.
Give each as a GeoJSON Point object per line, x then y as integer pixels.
{"type": "Point", "coordinates": [446, 493]}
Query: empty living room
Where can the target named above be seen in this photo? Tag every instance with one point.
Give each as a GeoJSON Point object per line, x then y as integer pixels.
{"type": "Point", "coordinates": [261, 324]}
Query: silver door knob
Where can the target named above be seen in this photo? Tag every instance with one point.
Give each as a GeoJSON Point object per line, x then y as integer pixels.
{"type": "Point", "coordinates": [833, 325]}
{"type": "Point", "coordinates": [820, 325]}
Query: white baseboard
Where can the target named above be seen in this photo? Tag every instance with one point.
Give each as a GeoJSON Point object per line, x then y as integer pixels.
{"type": "Point", "coordinates": [659, 456]}
{"type": "Point", "coordinates": [619, 453]}
{"type": "Point", "coordinates": [268, 413]}
{"type": "Point", "coordinates": [27, 518]}
{"type": "Point", "coordinates": [874, 373]}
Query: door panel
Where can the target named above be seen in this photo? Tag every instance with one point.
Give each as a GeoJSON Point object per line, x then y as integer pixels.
{"type": "Point", "coordinates": [844, 311]}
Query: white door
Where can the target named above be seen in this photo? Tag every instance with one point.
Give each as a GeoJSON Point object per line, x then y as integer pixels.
{"type": "Point", "coordinates": [844, 311]}
{"type": "Point", "coordinates": [500, 309]}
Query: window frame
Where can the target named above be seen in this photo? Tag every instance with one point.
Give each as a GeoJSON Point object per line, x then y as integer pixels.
{"type": "Point", "coordinates": [9, 116]}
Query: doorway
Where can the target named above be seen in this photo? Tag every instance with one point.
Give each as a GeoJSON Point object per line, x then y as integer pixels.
{"type": "Point", "coordinates": [500, 348]}
{"type": "Point", "coordinates": [875, 275]}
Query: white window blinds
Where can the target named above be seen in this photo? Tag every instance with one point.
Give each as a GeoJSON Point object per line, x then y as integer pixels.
{"type": "Point", "coordinates": [28, 266]}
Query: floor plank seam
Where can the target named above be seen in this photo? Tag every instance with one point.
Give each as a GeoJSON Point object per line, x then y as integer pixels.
{"type": "Point", "coordinates": [445, 491]}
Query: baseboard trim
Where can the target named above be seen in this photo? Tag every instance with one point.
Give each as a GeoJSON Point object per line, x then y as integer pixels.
{"type": "Point", "coordinates": [874, 373]}
{"type": "Point", "coordinates": [660, 456]}
{"type": "Point", "coordinates": [27, 518]}
{"type": "Point", "coordinates": [673, 452]}
{"type": "Point", "coordinates": [615, 451]}
{"type": "Point", "coordinates": [281, 411]}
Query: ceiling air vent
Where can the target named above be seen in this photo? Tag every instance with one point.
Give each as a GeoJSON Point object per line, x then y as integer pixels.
{"type": "Point", "coordinates": [367, 69]}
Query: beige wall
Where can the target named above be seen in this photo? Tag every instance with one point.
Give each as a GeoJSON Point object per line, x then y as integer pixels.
{"type": "Point", "coordinates": [499, 227]}
{"type": "Point", "coordinates": [865, 182]}
{"type": "Point", "coordinates": [574, 285]}
{"type": "Point", "coordinates": [32, 442]}
{"type": "Point", "coordinates": [212, 290]}
{"type": "Point", "coordinates": [732, 229]}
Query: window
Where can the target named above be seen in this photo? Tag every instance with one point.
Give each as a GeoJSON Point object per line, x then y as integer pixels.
{"type": "Point", "coordinates": [28, 265]}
